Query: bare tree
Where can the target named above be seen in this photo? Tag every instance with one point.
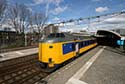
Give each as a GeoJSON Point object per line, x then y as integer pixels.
{"type": "Point", "coordinates": [22, 18]}
{"type": "Point", "coordinates": [19, 15]}
{"type": "Point", "coordinates": [24, 14]}
{"type": "Point", "coordinates": [31, 27]}
{"type": "Point", "coordinates": [40, 19]}
{"type": "Point", "coordinates": [13, 13]}
{"type": "Point", "coordinates": [30, 21]}
{"type": "Point", "coordinates": [3, 5]}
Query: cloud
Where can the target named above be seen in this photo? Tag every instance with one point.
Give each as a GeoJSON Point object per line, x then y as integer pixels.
{"type": "Point", "coordinates": [36, 2]}
{"type": "Point", "coordinates": [116, 20]}
{"type": "Point", "coordinates": [123, 10]}
{"type": "Point", "coordinates": [30, 9]}
{"type": "Point", "coordinates": [55, 2]}
{"type": "Point", "coordinates": [107, 22]}
{"type": "Point", "coordinates": [58, 10]}
{"type": "Point", "coordinates": [70, 24]}
{"type": "Point", "coordinates": [101, 9]}
{"type": "Point", "coordinates": [56, 19]}
{"type": "Point", "coordinates": [71, 27]}
{"type": "Point", "coordinates": [112, 22]}
{"type": "Point", "coordinates": [66, 30]}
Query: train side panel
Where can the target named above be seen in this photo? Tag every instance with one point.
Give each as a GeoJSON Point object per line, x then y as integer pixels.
{"type": "Point", "coordinates": [67, 51]}
{"type": "Point", "coordinates": [86, 45]}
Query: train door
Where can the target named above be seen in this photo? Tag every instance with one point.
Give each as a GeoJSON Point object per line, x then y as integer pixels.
{"type": "Point", "coordinates": [77, 49]}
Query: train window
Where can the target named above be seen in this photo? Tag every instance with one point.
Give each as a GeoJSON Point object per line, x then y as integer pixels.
{"type": "Point", "coordinates": [89, 41]}
{"type": "Point", "coordinates": [51, 35]}
{"type": "Point", "coordinates": [81, 44]}
{"type": "Point", "coordinates": [56, 35]}
{"type": "Point", "coordinates": [92, 41]}
{"type": "Point", "coordinates": [86, 43]}
{"type": "Point", "coordinates": [60, 35]}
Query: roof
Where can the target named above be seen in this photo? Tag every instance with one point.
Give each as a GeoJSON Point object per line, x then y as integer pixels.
{"type": "Point", "coordinates": [117, 34]}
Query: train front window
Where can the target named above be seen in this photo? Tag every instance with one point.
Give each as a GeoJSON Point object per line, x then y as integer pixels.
{"type": "Point", "coordinates": [56, 35]}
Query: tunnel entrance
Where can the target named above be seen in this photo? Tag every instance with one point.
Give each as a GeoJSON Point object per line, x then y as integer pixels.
{"type": "Point", "coordinates": [107, 38]}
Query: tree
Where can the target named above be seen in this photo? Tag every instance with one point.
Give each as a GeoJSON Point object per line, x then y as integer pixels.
{"type": "Point", "coordinates": [39, 19]}
{"type": "Point", "coordinates": [24, 14]}
{"type": "Point", "coordinates": [3, 5]}
{"type": "Point", "coordinates": [22, 18]}
{"type": "Point", "coordinates": [19, 15]}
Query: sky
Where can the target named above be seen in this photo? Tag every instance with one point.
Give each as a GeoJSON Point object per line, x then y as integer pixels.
{"type": "Point", "coordinates": [62, 10]}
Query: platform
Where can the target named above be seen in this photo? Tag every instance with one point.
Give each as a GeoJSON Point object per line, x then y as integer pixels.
{"type": "Point", "coordinates": [101, 65]}
{"type": "Point", "coordinates": [18, 53]}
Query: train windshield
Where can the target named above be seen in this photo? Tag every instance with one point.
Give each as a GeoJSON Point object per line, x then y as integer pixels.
{"type": "Point", "coordinates": [56, 35]}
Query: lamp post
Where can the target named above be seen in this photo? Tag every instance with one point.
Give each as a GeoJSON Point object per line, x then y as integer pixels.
{"type": "Point", "coordinates": [25, 39]}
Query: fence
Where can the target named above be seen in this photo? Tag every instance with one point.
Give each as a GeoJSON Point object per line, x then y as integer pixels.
{"type": "Point", "coordinates": [10, 39]}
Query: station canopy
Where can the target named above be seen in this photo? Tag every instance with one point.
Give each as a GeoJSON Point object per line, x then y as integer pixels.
{"type": "Point", "coordinates": [108, 38]}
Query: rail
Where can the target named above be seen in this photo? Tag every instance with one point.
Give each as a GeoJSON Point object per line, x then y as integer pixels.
{"type": "Point", "coordinates": [23, 70]}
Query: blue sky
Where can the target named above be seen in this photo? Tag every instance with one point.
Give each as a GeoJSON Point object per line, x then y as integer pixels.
{"type": "Point", "coordinates": [61, 10]}
{"type": "Point", "coordinates": [67, 9]}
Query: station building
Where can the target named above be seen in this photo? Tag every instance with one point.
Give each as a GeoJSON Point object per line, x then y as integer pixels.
{"type": "Point", "coordinates": [120, 31]}
{"type": "Point", "coordinates": [51, 29]}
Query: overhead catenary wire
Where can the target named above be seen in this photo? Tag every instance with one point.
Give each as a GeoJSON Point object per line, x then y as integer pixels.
{"type": "Point", "coordinates": [89, 18]}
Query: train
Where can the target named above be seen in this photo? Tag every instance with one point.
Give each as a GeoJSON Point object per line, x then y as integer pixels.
{"type": "Point", "coordinates": [58, 48]}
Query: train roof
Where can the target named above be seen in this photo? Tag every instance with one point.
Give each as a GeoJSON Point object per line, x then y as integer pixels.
{"type": "Point", "coordinates": [62, 37]}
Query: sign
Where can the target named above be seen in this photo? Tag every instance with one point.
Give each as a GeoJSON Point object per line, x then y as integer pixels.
{"type": "Point", "coordinates": [120, 42]}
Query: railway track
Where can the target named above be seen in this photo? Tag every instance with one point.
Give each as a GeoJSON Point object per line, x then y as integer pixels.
{"type": "Point", "coordinates": [24, 70]}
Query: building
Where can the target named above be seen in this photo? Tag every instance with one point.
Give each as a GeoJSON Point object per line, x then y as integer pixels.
{"type": "Point", "coordinates": [50, 29]}
{"type": "Point", "coordinates": [120, 31]}
{"type": "Point", "coordinates": [6, 27]}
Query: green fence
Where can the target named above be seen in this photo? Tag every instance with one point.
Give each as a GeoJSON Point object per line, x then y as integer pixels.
{"type": "Point", "coordinates": [10, 39]}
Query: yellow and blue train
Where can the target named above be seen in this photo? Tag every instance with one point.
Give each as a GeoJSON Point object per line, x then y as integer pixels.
{"type": "Point", "coordinates": [58, 48]}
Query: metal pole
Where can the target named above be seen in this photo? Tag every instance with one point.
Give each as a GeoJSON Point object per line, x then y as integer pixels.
{"type": "Point", "coordinates": [25, 39]}
{"type": "Point", "coordinates": [88, 24]}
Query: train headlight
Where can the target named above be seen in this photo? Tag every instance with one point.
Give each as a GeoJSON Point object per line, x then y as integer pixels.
{"type": "Point", "coordinates": [50, 41]}
{"type": "Point", "coordinates": [50, 60]}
